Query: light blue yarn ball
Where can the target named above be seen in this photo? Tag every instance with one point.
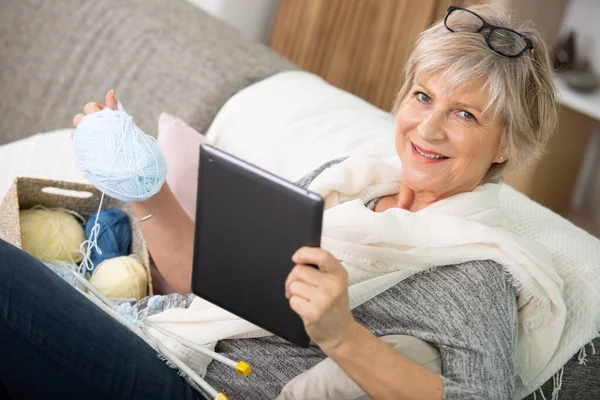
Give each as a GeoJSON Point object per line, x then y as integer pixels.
{"type": "Point", "coordinates": [117, 157]}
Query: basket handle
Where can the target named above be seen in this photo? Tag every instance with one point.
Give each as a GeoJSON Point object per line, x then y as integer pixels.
{"type": "Point", "coordinates": [80, 194]}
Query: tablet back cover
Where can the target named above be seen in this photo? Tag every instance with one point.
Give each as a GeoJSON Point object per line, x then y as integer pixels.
{"type": "Point", "coordinates": [249, 223]}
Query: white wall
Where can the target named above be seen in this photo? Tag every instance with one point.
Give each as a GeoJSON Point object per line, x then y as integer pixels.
{"type": "Point", "coordinates": [253, 18]}
{"type": "Point", "coordinates": [583, 16]}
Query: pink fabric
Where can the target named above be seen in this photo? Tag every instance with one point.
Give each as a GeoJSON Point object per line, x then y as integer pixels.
{"type": "Point", "coordinates": [180, 145]}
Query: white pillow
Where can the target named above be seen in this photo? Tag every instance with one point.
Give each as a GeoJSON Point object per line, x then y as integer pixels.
{"type": "Point", "coordinates": [294, 121]}
{"type": "Point", "coordinates": [45, 155]}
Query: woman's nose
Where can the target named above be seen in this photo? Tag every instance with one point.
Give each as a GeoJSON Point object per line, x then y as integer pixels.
{"type": "Point", "coordinates": [432, 128]}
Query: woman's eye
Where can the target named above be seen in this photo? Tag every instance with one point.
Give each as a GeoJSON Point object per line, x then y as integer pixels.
{"type": "Point", "coordinates": [467, 115]}
{"type": "Point", "coordinates": [423, 97]}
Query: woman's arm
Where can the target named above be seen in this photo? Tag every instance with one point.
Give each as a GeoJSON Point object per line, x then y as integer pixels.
{"type": "Point", "coordinates": [468, 311]}
{"type": "Point", "coordinates": [320, 297]}
{"type": "Point", "coordinates": [170, 237]}
{"type": "Point", "coordinates": [381, 371]}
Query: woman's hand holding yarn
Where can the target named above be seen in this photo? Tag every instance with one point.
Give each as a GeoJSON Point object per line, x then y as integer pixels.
{"type": "Point", "coordinates": [93, 107]}
{"type": "Point", "coordinates": [115, 155]}
{"type": "Point", "coordinates": [320, 296]}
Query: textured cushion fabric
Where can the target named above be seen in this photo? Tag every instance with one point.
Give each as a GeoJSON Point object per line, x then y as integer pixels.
{"type": "Point", "coordinates": [159, 56]}
{"type": "Point", "coordinates": [289, 135]}
{"type": "Point", "coordinates": [180, 144]}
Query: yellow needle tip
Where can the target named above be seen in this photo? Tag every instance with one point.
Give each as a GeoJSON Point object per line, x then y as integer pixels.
{"type": "Point", "coordinates": [243, 369]}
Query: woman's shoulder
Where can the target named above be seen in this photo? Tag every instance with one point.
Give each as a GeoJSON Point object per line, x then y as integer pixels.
{"type": "Point", "coordinates": [477, 275]}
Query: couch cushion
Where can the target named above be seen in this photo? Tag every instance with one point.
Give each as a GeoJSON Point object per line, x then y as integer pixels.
{"type": "Point", "coordinates": [180, 145]}
{"type": "Point", "coordinates": [159, 56]}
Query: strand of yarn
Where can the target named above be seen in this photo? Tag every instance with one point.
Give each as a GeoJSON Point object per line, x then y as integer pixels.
{"type": "Point", "coordinates": [542, 393]}
{"type": "Point", "coordinates": [126, 310]}
{"type": "Point", "coordinates": [557, 383]}
{"type": "Point", "coordinates": [90, 244]}
{"type": "Point", "coordinates": [73, 213]}
{"type": "Point", "coordinates": [581, 357]}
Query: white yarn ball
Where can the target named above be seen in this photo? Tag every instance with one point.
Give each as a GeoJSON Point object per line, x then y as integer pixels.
{"type": "Point", "coordinates": [118, 157]}
{"type": "Point", "coordinates": [121, 277]}
{"type": "Point", "coordinates": [51, 235]}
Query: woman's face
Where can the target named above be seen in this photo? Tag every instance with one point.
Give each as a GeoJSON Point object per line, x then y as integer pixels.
{"type": "Point", "coordinates": [444, 141]}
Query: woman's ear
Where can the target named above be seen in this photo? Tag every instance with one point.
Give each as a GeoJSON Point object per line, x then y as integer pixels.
{"type": "Point", "coordinates": [501, 156]}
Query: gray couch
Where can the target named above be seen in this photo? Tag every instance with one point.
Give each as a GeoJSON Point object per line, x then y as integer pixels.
{"type": "Point", "coordinates": [159, 56]}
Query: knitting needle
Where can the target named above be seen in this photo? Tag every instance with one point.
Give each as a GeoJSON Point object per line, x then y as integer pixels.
{"type": "Point", "coordinates": [92, 289]}
{"type": "Point", "coordinates": [187, 370]}
{"type": "Point", "coordinates": [203, 384]}
{"type": "Point", "coordinates": [240, 367]}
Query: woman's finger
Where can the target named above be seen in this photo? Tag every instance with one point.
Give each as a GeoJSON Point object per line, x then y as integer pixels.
{"type": "Point", "coordinates": [303, 308]}
{"type": "Point", "coordinates": [293, 276]}
{"type": "Point", "coordinates": [310, 255]}
{"type": "Point", "coordinates": [92, 107]}
{"type": "Point", "coordinates": [305, 273]}
{"type": "Point", "coordinates": [304, 290]}
{"type": "Point", "coordinates": [111, 100]}
{"type": "Point", "coordinates": [319, 257]}
{"type": "Point", "coordinates": [77, 119]}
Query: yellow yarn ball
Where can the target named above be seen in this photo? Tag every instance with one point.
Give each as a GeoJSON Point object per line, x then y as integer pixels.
{"type": "Point", "coordinates": [51, 235]}
{"type": "Point", "coordinates": [121, 277]}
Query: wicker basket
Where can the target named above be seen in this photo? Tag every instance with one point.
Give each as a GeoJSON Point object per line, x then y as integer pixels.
{"type": "Point", "coordinates": [83, 198]}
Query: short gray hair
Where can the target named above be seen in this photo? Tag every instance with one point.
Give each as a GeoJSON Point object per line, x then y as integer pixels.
{"type": "Point", "coordinates": [520, 90]}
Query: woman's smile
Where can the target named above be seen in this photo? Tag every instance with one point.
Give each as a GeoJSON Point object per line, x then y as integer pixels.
{"type": "Point", "coordinates": [427, 156]}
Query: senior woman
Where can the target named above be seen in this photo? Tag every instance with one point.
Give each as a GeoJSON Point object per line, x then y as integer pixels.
{"type": "Point", "coordinates": [478, 101]}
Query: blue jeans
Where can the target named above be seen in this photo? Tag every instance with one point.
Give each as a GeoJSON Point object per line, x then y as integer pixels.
{"type": "Point", "coordinates": [57, 344]}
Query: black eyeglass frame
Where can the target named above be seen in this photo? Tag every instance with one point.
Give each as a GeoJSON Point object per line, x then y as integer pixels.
{"type": "Point", "coordinates": [491, 29]}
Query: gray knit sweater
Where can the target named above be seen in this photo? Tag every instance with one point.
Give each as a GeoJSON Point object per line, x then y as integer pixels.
{"type": "Point", "coordinates": [468, 311]}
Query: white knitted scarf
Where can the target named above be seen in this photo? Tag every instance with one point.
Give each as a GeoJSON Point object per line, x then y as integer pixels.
{"type": "Point", "coordinates": [381, 249]}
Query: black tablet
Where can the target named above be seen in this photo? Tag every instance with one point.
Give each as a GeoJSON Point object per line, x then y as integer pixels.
{"type": "Point", "coordinates": [249, 223]}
